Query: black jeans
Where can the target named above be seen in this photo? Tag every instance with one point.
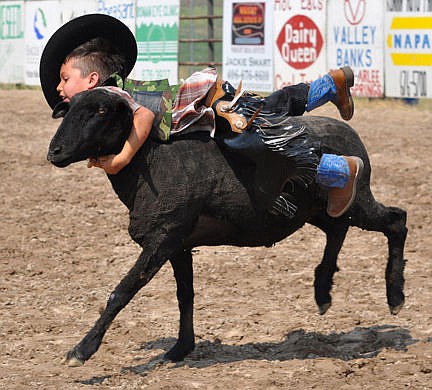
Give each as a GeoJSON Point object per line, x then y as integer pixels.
{"type": "Point", "coordinates": [289, 100]}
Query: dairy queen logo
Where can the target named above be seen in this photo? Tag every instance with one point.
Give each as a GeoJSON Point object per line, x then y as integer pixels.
{"type": "Point", "coordinates": [300, 42]}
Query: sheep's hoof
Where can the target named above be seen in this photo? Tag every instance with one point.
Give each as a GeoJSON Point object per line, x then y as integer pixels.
{"type": "Point", "coordinates": [179, 351]}
{"type": "Point", "coordinates": [72, 360]}
{"type": "Point", "coordinates": [396, 309]}
{"type": "Point", "coordinates": [323, 308]}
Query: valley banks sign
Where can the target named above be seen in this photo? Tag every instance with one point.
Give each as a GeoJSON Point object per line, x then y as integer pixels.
{"type": "Point", "coordinates": [355, 38]}
{"type": "Point", "coordinates": [408, 48]}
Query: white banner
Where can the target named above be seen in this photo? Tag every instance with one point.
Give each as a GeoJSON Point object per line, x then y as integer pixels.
{"type": "Point", "coordinates": [408, 54]}
{"type": "Point", "coordinates": [355, 38]}
{"type": "Point", "coordinates": [122, 10]}
{"type": "Point", "coordinates": [72, 9]}
{"type": "Point", "coordinates": [42, 19]}
{"type": "Point", "coordinates": [248, 44]}
{"type": "Point", "coordinates": [12, 42]}
{"type": "Point", "coordinates": [299, 35]}
{"type": "Point", "coordinates": [157, 34]}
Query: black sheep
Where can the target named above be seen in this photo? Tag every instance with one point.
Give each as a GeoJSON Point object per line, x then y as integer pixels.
{"type": "Point", "coordinates": [192, 192]}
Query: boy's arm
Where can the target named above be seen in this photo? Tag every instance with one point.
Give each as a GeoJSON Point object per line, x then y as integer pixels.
{"type": "Point", "coordinates": [114, 163]}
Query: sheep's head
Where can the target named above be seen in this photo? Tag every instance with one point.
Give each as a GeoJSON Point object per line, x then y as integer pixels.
{"type": "Point", "coordinates": [95, 123]}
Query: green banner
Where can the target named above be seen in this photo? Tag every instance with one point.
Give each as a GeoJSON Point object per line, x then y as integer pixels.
{"type": "Point", "coordinates": [11, 17]}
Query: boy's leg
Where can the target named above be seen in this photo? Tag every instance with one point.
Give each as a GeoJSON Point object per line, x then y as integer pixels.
{"type": "Point", "coordinates": [294, 100]}
{"type": "Point", "coordinates": [335, 87]}
{"type": "Point", "coordinates": [291, 100]}
{"type": "Point", "coordinates": [339, 174]}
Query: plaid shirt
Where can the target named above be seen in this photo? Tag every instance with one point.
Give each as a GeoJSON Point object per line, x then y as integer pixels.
{"type": "Point", "coordinates": [188, 108]}
{"type": "Point", "coordinates": [187, 112]}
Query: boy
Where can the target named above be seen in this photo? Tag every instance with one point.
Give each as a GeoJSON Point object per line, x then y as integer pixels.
{"type": "Point", "coordinates": [86, 67]}
{"type": "Point", "coordinates": [109, 49]}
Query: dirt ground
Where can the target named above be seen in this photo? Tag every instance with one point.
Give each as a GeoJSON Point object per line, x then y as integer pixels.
{"type": "Point", "coordinates": [65, 246]}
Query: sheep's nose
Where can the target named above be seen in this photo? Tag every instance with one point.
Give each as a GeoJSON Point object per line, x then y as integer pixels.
{"type": "Point", "coordinates": [53, 152]}
{"type": "Point", "coordinates": [56, 150]}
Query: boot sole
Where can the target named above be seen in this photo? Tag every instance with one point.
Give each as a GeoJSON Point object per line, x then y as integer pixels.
{"type": "Point", "coordinates": [349, 77]}
{"type": "Point", "coordinates": [359, 172]}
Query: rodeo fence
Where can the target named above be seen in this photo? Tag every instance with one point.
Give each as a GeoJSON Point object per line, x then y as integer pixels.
{"type": "Point", "coordinates": [200, 41]}
{"type": "Point", "coordinates": [267, 44]}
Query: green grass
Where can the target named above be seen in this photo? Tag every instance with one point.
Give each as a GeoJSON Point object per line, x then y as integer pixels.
{"type": "Point", "coordinates": [4, 86]}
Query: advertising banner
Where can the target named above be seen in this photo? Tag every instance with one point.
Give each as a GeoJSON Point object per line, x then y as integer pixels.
{"type": "Point", "coordinates": [72, 9]}
{"type": "Point", "coordinates": [355, 38]}
{"type": "Point", "coordinates": [12, 42]}
{"type": "Point", "coordinates": [408, 54]}
{"type": "Point", "coordinates": [157, 34]}
{"type": "Point", "coordinates": [122, 10]}
{"type": "Point", "coordinates": [42, 19]}
{"type": "Point", "coordinates": [299, 35]}
{"type": "Point", "coordinates": [248, 44]}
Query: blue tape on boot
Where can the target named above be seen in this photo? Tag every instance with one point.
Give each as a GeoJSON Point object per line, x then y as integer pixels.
{"type": "Point", "coordinates": [321, 91]}
{"type": "Point", "coordinates": [333, 171]}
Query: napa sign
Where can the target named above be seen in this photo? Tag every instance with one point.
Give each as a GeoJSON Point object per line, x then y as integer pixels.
{"type": "Point", "coordinates": [408, 45]}
{"type": "Point", "coordinates": [409, 41]}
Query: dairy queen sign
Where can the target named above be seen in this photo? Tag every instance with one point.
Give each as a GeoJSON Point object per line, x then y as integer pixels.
{"type": "Point", "coordinates": [300, 42]}
{"type": "Point", "coordinates": [299, 33]}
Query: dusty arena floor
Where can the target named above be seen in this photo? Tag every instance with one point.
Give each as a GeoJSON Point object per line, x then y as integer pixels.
{"type": "Point", "coordinates": [65, 246]}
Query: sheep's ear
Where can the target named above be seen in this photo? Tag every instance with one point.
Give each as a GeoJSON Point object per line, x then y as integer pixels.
{"type": "Point", "coordinates": [60, 110]}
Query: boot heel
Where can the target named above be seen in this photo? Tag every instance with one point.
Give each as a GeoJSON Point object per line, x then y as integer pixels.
{"type": "Point", "coordinates": [349, 75]}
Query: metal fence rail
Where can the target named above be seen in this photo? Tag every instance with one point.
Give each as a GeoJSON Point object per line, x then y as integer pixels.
{"type": "Point", "coordinates": [200, 42]}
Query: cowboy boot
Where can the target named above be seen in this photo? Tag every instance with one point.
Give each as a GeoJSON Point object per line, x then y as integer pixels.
{"type": "Point", "coordinates": [340, 199]}
{"type": "Point", "coordinates": [335, 87]}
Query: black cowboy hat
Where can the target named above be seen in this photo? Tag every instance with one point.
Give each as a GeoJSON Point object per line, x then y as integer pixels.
{"type": "Point", "coordinates": [74, 33]}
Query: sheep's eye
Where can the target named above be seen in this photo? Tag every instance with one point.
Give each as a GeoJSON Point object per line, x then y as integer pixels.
{"type": "Point", "coordinates": [102, 111]}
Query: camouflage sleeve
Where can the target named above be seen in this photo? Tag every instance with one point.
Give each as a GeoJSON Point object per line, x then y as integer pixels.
{"type": "Point", "coordinates": [132, 103]}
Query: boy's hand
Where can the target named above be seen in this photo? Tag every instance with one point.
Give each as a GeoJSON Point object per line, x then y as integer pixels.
{"type": "Point", "coordinates": [111, 164]}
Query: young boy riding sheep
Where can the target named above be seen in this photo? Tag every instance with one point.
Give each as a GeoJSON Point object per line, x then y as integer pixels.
{"type": "Point", "coordinates": [86, 52]}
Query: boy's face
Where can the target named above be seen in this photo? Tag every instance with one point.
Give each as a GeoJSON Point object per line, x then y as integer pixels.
{"type": "Point", "coordinates": [72, 82]}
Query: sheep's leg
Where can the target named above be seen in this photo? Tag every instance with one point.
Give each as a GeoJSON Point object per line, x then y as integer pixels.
{"type": "Point", "coordinates": [183, 273]}
{"type": "Point", "coordinates": [139, 275]}
{"type": "Point", "coordinates": [396, 235]}
{"type": "Point", "coordinates": [335, 230]}
{"type": "Point", "coordinates": [392, 222]}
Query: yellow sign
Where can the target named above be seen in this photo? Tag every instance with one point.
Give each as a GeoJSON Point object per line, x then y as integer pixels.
{"type": "Point", "coordinates": [411, 41]}
{"type": "Point", "coordinates": [418, 23]}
